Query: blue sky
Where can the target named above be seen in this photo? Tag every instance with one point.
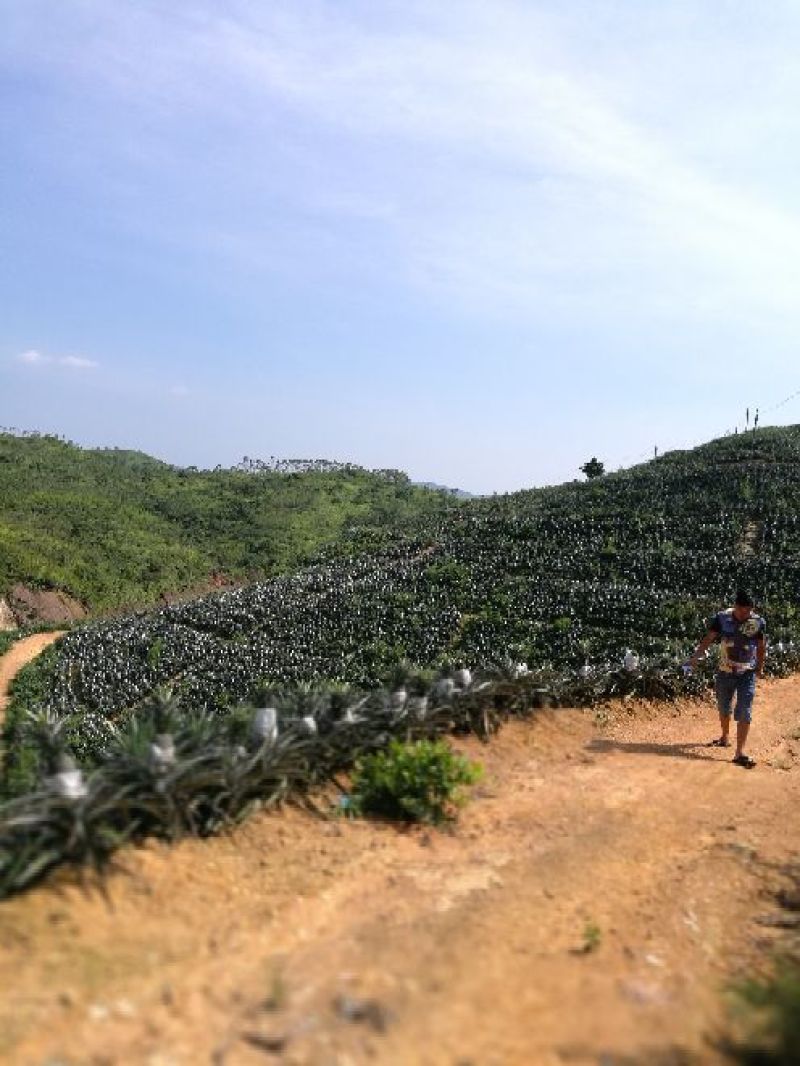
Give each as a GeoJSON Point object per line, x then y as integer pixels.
{"type": "Point", "coordinates": [479, 241]}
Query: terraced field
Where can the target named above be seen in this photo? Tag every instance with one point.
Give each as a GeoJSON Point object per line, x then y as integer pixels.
{"type": "Point", "coordinates": [568, 596]}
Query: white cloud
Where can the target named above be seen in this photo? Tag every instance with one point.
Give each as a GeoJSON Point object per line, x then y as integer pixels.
{"type": "Point", "coordinates": [503, 156]}
{"type": "Point", "coordinates": [77, 362]}
{"type": "Point", "coordinates": [533, 184]}
{"type": "Point", "coordinates": [33, 357]}
{"type": "Point", "coordinates": [179, 391]}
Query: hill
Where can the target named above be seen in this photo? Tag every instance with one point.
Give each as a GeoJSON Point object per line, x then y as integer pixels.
{"type": "Point", "coordinates": [116, 528]}
{"type": "Point", "coordinates": [558, 578]}
{"type": "Point", "coordinates": [563, 580]}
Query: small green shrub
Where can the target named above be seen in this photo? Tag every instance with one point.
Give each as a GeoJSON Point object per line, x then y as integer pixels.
{"type": "Point", "coordinates": [592, 938]}
{"type": "Point", "coordinates": [772, 1018]}
{"type": "Point", "coordinates": [419, 782]}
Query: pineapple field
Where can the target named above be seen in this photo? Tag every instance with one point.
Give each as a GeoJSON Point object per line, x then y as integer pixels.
{"type": "Point", "coordinates": [182, 718]}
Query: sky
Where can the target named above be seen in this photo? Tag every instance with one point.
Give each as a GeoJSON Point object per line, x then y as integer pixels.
{"type": "Point", "coordinates": [476, 241]}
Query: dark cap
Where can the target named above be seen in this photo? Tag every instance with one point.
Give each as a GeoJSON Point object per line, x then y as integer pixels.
{"type": "Point", "coordinates": [743, 599]}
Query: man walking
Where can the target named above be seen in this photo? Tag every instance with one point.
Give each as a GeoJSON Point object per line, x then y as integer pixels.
{"type": "Point", "coordinates": [743, 647]}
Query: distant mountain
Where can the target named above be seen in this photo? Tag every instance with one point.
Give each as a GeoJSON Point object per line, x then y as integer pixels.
{"type": "Point", "coordinates": [459, 494]}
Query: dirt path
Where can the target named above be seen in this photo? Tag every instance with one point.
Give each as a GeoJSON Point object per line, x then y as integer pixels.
{"type": "Point", "coordinates": [18, 656]}
{"type": "Point", "coordinates": [330, 943]}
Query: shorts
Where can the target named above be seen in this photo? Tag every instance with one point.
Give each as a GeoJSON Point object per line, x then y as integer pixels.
{"type": "Point", "coordinates": [743, 687]}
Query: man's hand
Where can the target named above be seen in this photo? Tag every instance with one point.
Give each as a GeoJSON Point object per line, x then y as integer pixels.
{"type": "Point", "coordinates": [702, 648]}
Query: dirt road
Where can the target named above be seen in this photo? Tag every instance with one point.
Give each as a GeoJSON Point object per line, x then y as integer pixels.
{"type": "Point", "coordinates": [600, 890]}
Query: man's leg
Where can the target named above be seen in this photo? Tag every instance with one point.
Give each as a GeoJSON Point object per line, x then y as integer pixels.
{"type": "Point", "coordinates": [745, 692]}
{"type": "Point", "coordinates": [724, 686]}
{"type": "Point", "coordinates": [742, 729]}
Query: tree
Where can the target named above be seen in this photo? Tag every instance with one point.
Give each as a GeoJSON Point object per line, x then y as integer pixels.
{"type": "Point", "coordinates": [594, 468]}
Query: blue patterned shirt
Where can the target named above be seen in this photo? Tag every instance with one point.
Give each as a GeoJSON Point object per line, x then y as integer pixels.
{"type": "Point", "coordinates": [738, 640]}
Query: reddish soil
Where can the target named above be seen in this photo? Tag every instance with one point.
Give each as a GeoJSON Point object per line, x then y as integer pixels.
{"type": "Point", "coordinates": [43, 605]}
{"type": "Point", "coordinates": [605, 883]}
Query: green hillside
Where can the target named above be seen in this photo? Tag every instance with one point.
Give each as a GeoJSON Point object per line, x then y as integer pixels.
{"type": "Point", "coordinates": [567, 595]}
{"type": "Point", "coordinates": [558, 578]}
{"type": "Point", "coordinates": [117, 528]}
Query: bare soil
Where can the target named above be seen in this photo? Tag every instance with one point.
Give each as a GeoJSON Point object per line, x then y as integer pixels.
{"type": "Point", "coordinates": [29, 604]}
{"type": "Point", "coordinates": [606, 882]}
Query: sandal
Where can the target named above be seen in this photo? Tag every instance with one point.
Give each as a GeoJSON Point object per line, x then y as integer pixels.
{"type": "Point", "coordinates": [720, 742]}
{"type": "Point", "coordinates": [745, 761]}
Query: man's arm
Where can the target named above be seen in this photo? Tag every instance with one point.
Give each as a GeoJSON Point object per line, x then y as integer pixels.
{"type": "Point", "coordinates": [761, 654]}
{"type": "Point", "coordinates": [703, 647]}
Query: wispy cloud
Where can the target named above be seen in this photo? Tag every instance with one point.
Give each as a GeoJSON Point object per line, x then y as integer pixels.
{"type": "Point", "coordinates": [33, 357]}
{"type": "Point", "coordinates": [77, 362]}
{"type": "Point", "coordinates": [504, 159]}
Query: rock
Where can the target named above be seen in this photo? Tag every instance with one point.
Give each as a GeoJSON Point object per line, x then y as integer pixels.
{"type": "Point", "coordinates": [123, 1008]}
{"type": "Point", "coordinates": [644, 993]}
{"type": "Point", "coordinates": [690, 920]}
{"type": "Point", "coordinates": [271, 1042]}
{"type": "Point", "coordinates": [368, 1011]}
{"type": "Point", "coordinates": [7, 619]}
{"type": "Point", "coordinates": [741, 850]}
